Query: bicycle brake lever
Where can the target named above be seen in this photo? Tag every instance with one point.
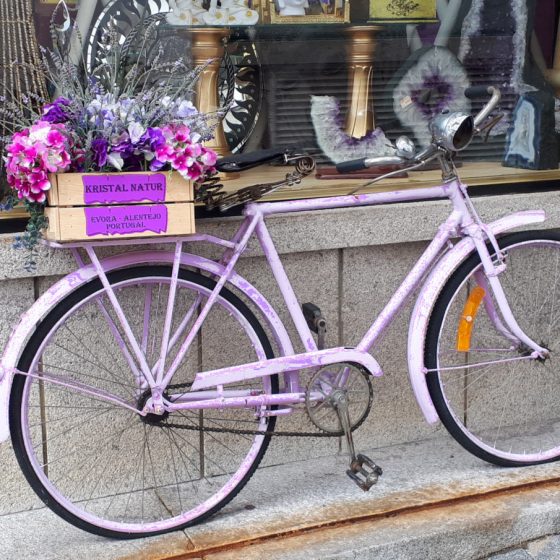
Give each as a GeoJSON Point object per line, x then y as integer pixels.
{"type": "Point", "coordinates": [490, 125]}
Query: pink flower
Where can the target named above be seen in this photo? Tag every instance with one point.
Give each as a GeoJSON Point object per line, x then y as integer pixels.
{"type": "Point", "coordinates": [33, 153]}
{"type": "Point", "coordinates": [183, 154]}
{"type": "Point", "coordinates": [208, 157]}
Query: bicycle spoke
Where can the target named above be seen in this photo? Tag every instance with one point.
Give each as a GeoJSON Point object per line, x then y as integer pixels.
{"type": "Point", "coordinates": [501, 400]}
{"type": "Point", "coordinates": [143, 472]}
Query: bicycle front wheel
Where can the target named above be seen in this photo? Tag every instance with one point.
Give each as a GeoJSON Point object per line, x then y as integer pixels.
{"type": "Point", "coordinates": [102, 466]}
{"type": "Point", "coordinates": [495, 401]}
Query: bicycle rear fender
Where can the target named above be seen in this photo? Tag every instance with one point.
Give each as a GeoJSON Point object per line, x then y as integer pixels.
{"type": "Point", "coordinates": [426, 300]}
{"type": "Point", "coordinates": [73, 281]}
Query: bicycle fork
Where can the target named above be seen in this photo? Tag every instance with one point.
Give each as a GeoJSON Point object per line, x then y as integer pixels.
{"type": "Point", "coordinates": [480, 234]}
{"type": "Point", "coordinates": [492, 269]}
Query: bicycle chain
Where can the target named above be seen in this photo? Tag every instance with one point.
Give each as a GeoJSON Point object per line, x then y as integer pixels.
{"type": "Point", "coordinates": [241, 432]}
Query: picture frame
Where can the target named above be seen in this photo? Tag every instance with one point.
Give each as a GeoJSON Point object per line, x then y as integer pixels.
{"type": "Point", "coordinates": [305, 11]}
{"type": "Point", "coordinates": [402, 11]}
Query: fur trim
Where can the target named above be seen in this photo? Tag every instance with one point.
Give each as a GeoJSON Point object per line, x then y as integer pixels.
{"type": "Point", "coordinates": [335, 143]}
{"type": "Point", "coordinates": [436, 69]}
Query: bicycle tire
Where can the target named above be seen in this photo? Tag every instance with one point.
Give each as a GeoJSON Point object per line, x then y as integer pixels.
{"type": "Point", "coordinates": [506, 413]}
{"type": "Point", "coordinates": [33, 400]}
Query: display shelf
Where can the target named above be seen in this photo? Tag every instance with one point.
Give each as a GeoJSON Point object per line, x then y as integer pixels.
{"type": "Point", "coordinates": [473, 174]}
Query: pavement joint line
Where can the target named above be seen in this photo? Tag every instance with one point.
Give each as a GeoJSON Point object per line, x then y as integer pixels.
{"type": "Point", "coordinates": [365, 518]}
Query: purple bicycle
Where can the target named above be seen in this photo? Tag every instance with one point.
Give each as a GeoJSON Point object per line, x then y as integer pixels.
{"type": "Point", "coordinates": [128, 418]}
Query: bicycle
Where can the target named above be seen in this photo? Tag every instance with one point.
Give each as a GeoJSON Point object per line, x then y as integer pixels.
{"type": "Point", "coordinates": [128, 358]}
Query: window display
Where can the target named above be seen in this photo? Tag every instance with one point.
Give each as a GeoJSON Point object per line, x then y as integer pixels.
{"type": "Point", "coordinates": [343, 79]}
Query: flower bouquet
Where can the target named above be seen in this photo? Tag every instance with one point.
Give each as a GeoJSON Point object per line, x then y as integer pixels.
{"type": "Point", "coordinates": [132, 113]}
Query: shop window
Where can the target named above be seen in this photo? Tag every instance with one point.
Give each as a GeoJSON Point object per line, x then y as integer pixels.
{"type": "Point", "coordinates": [343, 78]}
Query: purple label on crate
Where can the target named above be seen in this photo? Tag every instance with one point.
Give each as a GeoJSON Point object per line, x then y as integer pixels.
{"type": "Point", "coordinates": [124, 220]}
{"type": "Point", "coordinates": [116, 188]}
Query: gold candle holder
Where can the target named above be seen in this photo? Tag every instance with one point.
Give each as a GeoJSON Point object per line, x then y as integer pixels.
{"type": "Point", "coordinates": [360, 48]}
{"type": "Point", "coordinates": [208, 43]}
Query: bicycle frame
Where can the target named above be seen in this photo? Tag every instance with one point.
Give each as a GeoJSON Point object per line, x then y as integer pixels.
{"type": "Point", "coordinates": [461, 222]}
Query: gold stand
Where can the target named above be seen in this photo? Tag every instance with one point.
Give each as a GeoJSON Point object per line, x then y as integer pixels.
{"type": "Point", "coordinates": [207, 43]}
{"type": "Point", "coordinates": [360, 47]}
{"type": "Point", "coordinates": [553, 75]}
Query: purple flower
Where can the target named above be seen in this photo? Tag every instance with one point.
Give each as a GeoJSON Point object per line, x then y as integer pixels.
{"type": "Point", "coordinates": [99, 148]}
{"type": "Point", "coordinates": [153, 139]}
{"type": "Point", "coordinates": [57, 112]}
{"type": "Point", "coordinates": [156, 165]}
{"type": "Point", "coordinates": [186, 109]}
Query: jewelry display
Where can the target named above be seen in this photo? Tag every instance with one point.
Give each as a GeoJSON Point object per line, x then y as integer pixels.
{"type": "Point", "coordinates": [360, 49]}
{"type": "Point", "coordinates": [208, 49]}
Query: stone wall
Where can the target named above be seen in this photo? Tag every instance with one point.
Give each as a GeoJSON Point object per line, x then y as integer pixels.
{"type": "Point", "coordinates": [348, 262]}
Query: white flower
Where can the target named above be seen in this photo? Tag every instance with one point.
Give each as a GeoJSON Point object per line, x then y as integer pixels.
{"type": "Point", "coordinates": [115, 160]}
{"type": "Point", "coordinates": [186, 109]}
{"type": "Point", "coordinates": [135, 131]}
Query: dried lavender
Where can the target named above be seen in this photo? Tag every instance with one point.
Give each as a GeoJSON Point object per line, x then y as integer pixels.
{"type": "Point", "coordinates": [131, 112]}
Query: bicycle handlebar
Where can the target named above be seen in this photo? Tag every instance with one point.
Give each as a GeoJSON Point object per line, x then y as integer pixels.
{"type": "Point", "coordinates": [365, 163]}
{"type": "Point", "coordinates": [479, 91]}
{"type": "Point", "coordinates": [429, 152]}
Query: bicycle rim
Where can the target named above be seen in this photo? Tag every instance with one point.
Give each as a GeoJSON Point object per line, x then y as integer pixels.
{"type": "Point", "coordinates": [101, 466]}
{"type": "Point", "coordinates": [506, 411]}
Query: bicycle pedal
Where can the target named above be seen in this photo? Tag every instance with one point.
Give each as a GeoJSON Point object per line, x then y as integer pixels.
{"type": "Point", "coordinates": [364, 472]}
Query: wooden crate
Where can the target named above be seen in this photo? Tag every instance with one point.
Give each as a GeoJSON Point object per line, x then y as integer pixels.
{"type": "Point", "coordinates": [93, 206]}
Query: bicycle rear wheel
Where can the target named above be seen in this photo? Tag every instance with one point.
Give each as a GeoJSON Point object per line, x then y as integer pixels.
{"type": "Point", "coordinates": [103, 467]}
{"type": "Point", "coordinates": [497, 404]}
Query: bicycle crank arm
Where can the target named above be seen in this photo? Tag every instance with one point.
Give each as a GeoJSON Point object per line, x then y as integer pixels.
{"type": "Point", "coordinates": [363, 471]}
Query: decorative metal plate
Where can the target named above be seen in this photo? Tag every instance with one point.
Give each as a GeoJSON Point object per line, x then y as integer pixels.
{"type": "Point", "coordinates": [240, 76]}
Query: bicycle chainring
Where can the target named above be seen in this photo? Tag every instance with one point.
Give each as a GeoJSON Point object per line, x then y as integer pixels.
{"type": "Point", "coordinates": [319, 401]}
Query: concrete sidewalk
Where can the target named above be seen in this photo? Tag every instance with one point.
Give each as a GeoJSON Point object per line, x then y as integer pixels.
{"type": "Point", "coordinates": [434, 501]}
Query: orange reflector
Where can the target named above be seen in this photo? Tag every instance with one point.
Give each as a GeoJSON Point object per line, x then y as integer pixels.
{"type": "Point", "coordinates": [466, 322]}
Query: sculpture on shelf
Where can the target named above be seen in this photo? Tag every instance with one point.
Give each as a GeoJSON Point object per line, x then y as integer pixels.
{"type": "Point", "coordinates": [504, 59]}
{"type": "Point", "coordinates": [432, 79]}
{"type": "Point", "coordinates": [292, 7]}
{"type": "Point", "coordinates": [514, 66]}
{"type": "Point", "coordinates": [229, 12]}
{"type": "Point", "coordinates": [334, 142]}
{"type": "Point", "coordinates": [185, 12]}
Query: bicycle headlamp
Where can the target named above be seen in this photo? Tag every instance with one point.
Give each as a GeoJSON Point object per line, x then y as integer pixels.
{"type": "Point", "coordinates": [453, 131]}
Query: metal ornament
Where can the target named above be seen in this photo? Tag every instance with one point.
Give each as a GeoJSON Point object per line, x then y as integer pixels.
{"type": "Point", "coordinates": [209, 190]}
{"type": "Point", "coordinates": [333, 384]}
{"type": "Point", "coordinates": [123, 16]}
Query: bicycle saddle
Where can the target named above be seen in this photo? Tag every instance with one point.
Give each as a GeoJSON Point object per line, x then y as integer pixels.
{"type": "Point", "coordinates": [241, 162]}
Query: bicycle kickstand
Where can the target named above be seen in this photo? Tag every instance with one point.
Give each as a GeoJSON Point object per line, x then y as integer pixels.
{"type": "Point", "coordinates": [363, 471]}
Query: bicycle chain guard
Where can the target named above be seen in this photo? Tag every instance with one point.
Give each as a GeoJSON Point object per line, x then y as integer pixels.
{"type": "Point", "coordinates": [209, 190]}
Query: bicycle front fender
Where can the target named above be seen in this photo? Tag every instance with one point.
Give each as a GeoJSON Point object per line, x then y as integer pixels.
{"type": "Point", "coordinates": [73, 281]}
{"type": "Point", "coordinates": [428, 296]}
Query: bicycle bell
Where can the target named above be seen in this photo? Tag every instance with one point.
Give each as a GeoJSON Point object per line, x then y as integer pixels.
{"type": "Point", "coordinates": [453, 131]}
